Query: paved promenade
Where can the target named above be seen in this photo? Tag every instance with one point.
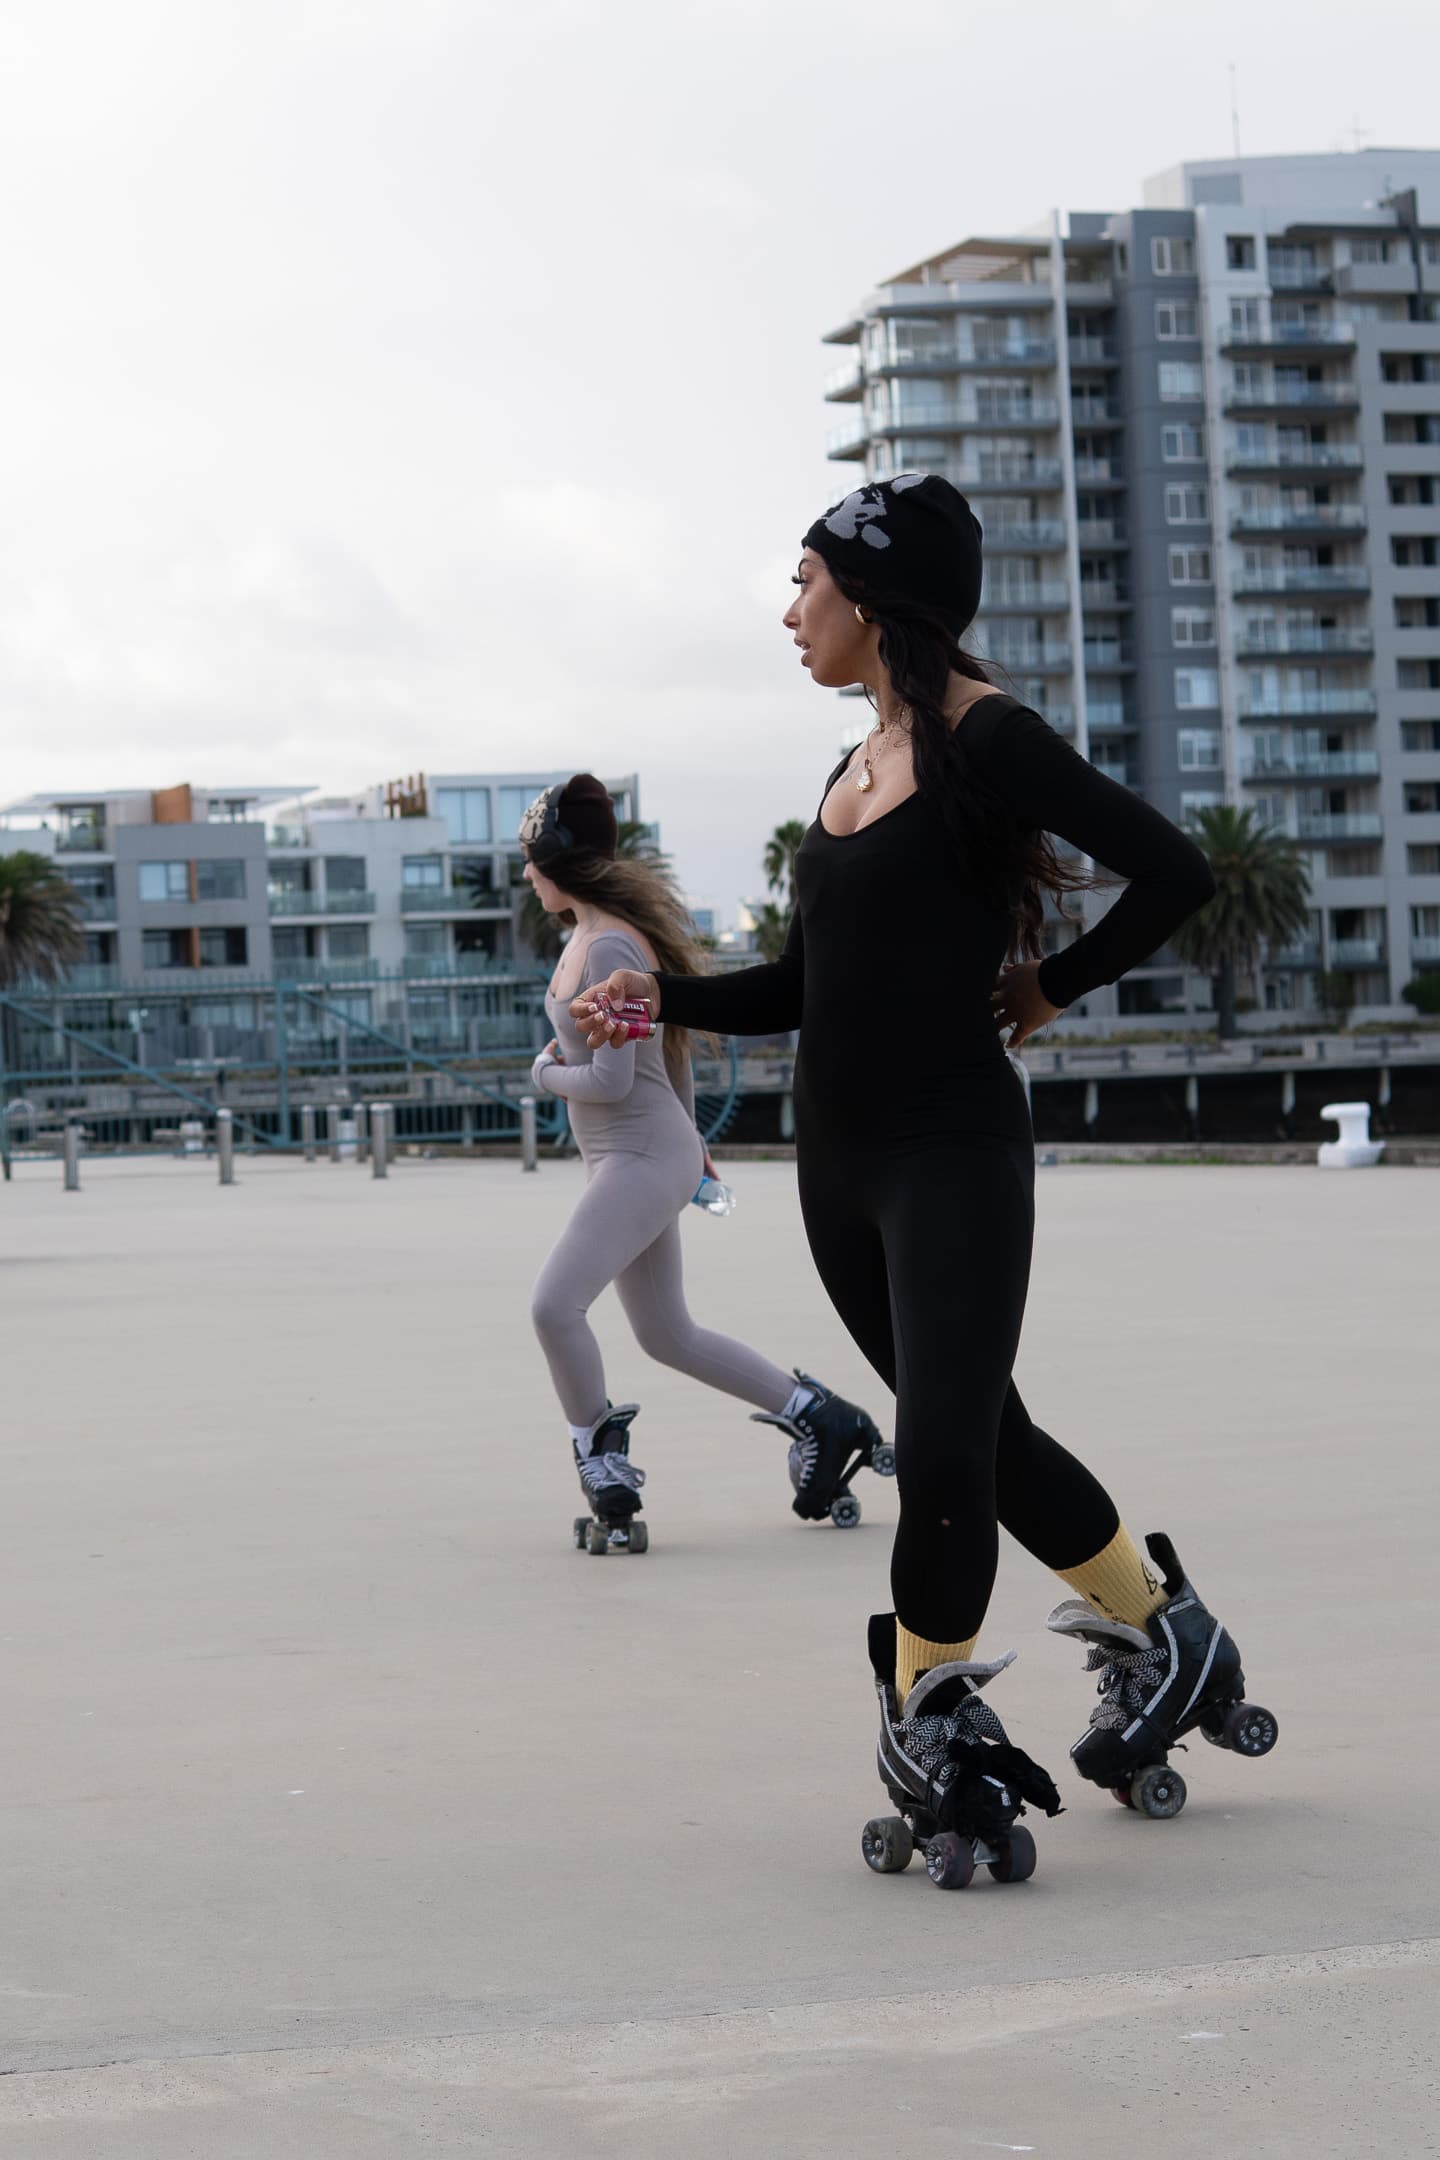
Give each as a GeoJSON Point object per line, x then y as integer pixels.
{"type": "Point", "coordinates": [349, 1812]}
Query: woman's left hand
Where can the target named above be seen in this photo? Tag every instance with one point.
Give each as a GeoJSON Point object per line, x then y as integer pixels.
{"type": "Point", "coordinates": [1019, 1003]}
{"type": "Point", "coordinates": [552, 1050]}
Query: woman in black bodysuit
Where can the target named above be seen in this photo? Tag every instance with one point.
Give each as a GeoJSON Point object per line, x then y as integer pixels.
{"type": "Point", "coordinates": [924, 873]}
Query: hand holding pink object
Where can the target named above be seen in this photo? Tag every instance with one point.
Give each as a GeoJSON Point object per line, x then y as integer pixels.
{"type": "Point", "coordinates": [621, 1009]}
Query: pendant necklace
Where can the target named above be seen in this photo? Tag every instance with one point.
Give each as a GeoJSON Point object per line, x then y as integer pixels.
{"type": "Point", "coordinates": [865, 779]}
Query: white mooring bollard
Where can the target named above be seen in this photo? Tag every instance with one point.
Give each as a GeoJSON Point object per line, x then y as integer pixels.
{"type": "Point", "coordinates": [307, 1130]}
{"type": "Point", "coordinates": [72, 1157]}
{"type": "Point", "coordinates": [225, 1145]}
{"type": "Point", "coordinates": [1354, 1150]}
{"type": "Point", "coordinates": [529, 1136]}
{"type": "Point", "coordinates": [380, 1139]}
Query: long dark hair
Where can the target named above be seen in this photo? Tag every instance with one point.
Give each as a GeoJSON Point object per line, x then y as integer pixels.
{"type": "Point", "coordinates": [644, 894]}
{"type": "Point", "coordinates": [1014, 868]}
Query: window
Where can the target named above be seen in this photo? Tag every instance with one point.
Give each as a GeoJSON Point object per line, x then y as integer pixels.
{"type": "Point", "coordinates": [1171, 256]}
{"type": "Point", "coordinates": [1176, 319]}
{"type": "Point", "coordinates": [1199, 749]}
{"type": "Point", "coordinates": [1181, 379]}
{"type": "Point", "coordinates": [425, 941]}
{"type": "Point", "coordinates": [1420, 553]}
{"type": "Point", "coordinates": [466, 811]}
{"type": "Point", "coordinates": [1369, 251]}
{"type": "Point", "coordinates": [1190, 566]}
{"type": "Point", "coordinates": [345, 873]}
{"type": "Point", "coordinates": [1239, 252]}
{"type": "Point", "coordinates": [1423, 861]}
{"type": "Point", "coordinates": [1187, 505]}
{"type": "Point", "coordinates": [348, 941]}
{"type": "Point", "coordinates": [1182, 444]}
{"type": "Point", "coordinates": [220, 879]}
{"type": "Point", "coordinates": [1421, 797]}
{"type": "Point", "coordinates": [164, 881]}
{"type": "Point", "coordinates": [289, 943]}
{"type": "Point", "coordinates": [228, 810]}
{"type": "Point", "coordinates": [514, 802]}
{"type": "Point", "coordinates": [1418, 674]}
{"type": "Point", "coordinates": [1193, 802]}
{"type": "Point", "coordinates": [1420, 735]}
{"type": "Point", "coordinates": [165, 949]}
{"type": "Point", "coordinates": [1197, 686]}
{"type": "Point", "coordinates": [223, 948]}
{"type": "Point", "coordinates": [1192, 625]}
{"type": "Point", "coordinates": [471, 874]}
{"type": "Point", "coordinates": [1425, 922]}
{"type": "Point", "coordinates": [1245, 318]}
{"type": "Point", "coordinates": [422, 873]}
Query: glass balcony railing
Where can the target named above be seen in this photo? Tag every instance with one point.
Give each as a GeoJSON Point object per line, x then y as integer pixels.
{"type": "Point", "coordinates": [448, 900]}
{"type": "Point", "coordinates": [1305, 704]}
{"type": "Point", "coordinates": [1046, 599]}
{"type": "Point", "coordinates": [1299, 277]}
{"type": "Point", "coordinates": [1425, 948]}
{"type": "Point", "coordinates": [1099, 532]}
{"type": "Point", "coordinates": [1032, 659]}
{"type": "Point", "coordinates": [1103, 716]}
{"type": "Point", "coordinates": [1356, 826]}
{"type": "Point", "coordinates": [1002, 472]}
{"type": "Point", "coordinates": [1284, 579]}
{"type": "Point", "coordinates": [1322, 765]}
{"type": "Point", "coordinates": [284, 901]}
{"type": "Point", "coordinates": [1290, 396]}
{"type": "Point", "coordinates": [95, 907]}
{"type": "Point", "coordinates": [1285, 457]}
{"type": "Point", "coordinates": [1300, 517]}
{"type": "Point", "coordinates": [1096, 472]}
{"type": "Point", "coordinates": [1281, 643]}
{"type": "Point", "coordinates": [1303, 955]}
{"type": "Point", "coordinates": [849, 440]}
{"type": "Point", "coordinates": [1291, 334]}
{"type": "Point", "coordinates": [1356, 952]}
{"type": "Point", "coordinates": [1107, 653]}
{"type": "Point", "coordinates": [82, 840]}
{"type": "Point", "coordinates": [845, 381]}
{"type": "Point", "coordinates": [911, 417]}
{"type": "Point", "coordinates": [1092, 351]}
{"type": "Point", "coordinates": [1039, 536]}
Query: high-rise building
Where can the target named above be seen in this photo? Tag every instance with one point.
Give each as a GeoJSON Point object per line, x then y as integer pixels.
{"type": "Point", "coordinates": [1203, 438]}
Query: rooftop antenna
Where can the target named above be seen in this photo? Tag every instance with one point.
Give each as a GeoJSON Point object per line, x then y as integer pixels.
{"type": "Point", "coordinates": [1234, 111]}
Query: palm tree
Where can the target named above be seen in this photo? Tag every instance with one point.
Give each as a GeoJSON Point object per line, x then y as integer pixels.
{"type": "Point", "coordinates": [779, 864]}
{"type": "Point", "coordinates": [1262, 897]}
{"type": "Point", "coordinates": [40, 934]}
{"type": "Point", "coordinates": [771, 926]}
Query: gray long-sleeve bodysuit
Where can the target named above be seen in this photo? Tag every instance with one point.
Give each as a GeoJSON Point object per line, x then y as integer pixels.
{"type": "Point", "coordinates": [644, 1159]}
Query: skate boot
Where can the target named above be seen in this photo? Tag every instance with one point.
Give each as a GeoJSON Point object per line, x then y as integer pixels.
{"type": "Point", "coordinates": [830, 1439]}
{"type": "Point", "coordinates": [952, 1773]}
{"type": "Point", "coordinates": [1157, 1683]}
{"type": "Point", "coordinates": [611, 1483]}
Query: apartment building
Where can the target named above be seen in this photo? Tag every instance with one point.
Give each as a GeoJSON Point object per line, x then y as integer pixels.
{"type": "Point", "coordinates": [398, 907]}
{"type": "Point", "coordinates": [1203, 438]}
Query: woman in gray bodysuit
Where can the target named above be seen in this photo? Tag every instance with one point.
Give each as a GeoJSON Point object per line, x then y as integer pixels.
{"type": "Point", "coordinates": [632, 1110]}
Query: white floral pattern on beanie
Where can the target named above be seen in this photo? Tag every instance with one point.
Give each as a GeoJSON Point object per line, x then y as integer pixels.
{"type": "Point", "coordinates": [860, 511]}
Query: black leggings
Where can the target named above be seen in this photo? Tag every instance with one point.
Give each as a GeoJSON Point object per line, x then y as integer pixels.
{"type": "Point", "coordinates": [924, 1248]}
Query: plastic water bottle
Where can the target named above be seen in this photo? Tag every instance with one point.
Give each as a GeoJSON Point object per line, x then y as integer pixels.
{"type": "Point", "coordinates": [715, 1198]}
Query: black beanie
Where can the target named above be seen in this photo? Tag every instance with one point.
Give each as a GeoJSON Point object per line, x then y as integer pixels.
{"type": "Point", "coordinates": [912, 538]}
{"type": "Point", "coordinates": [588, 814]}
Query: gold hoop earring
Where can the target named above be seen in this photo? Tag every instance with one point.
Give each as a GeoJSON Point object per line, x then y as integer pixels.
{"type": "Point", "coordinates": [861, 616]}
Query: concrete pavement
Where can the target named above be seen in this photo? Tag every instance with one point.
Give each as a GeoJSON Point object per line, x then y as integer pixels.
{"type": "Point", "coordinates": [350, 1811]}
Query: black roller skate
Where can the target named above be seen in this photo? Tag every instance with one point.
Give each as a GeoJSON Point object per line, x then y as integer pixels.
{"type": "Point", "coordinates": [952, 1773]}
{"type": "Point", "coordinates": [1178, 1673]}
{"type": "Point", "coordinates": [830, 1439]}
{"type": "Point", "coordinates": [611, 1483]}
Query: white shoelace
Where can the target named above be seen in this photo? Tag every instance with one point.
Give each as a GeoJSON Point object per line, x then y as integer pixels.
{"type": "Point", "coordinates": [598, 1471]}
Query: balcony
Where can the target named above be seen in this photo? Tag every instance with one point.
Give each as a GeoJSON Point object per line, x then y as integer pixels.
{"type": "Point", "coordinates": [82, 840]}
{"type": "Point", "coordinates": [1306, 704]}
{"type": "Point", "coordinates": [1097, 472]}
{"type": "Point", "coordinates": [1425, 948]}
{"type": "Point", "coordinates": [846, 382]}
{"type": "Point", "coordinates": [1393, 280]}
{"type": "Point", "coordinates": [1036, 536]}
{"type": "Point", "coordinates": [1304, 955]}
{"type": "Point", "coordinates": [1306, 277]}
{"type": "Point", "coordinates": [849, 440]}
{"type": "Point", "coordinates": [1104, 717]}
{"type": "Point", "coordinates": [1093, 352]}
{"type": "Point", "coordinates": [449, 900]}
{"type": "Point", "coordinates": [1032, 659]}
{"type": "Point", "coordinates": [1305, 644]}
{"type": "Point", "coordinates": [92, 908]}
{"type": "Point", "coordinates": [1107, 653]}
{"type": "Point", "coordinates": [1313, 457]}
{"type": "Point", "coordinates": [1097, 596]}
{"type": "Point", "coordinates": [286, 902]}
{"type": "Point", "coordinates": [1293, 398]}
{"type": "Point", "coordinates": [1089, 292]}
{"type": "Point", "coordinates": [1290, 338]}
{"type": "Point", "coordinates": [1006, 473]}
{"type": "Point", "coordinates": [1051, 599]}
{"type": "Point", "coordinates": [1304, 518]}
{"type": "Point", "coordinates": [1280, 579]}
{"type": "Point", "coordinates": [1100, 533]}
{"type": "Point", "coordinates": [1022, 413]}
{"type": "Point", "coordinates": [1357, 952]}
{"type": "Point", "coordinates": [1026, 352]}
{"type": "Point", "coordinates": [1355, 826]}
{"type": "Point", "coordinates": [1095, 413]}
{"type": "Point", "coordinates": [1323, 765]}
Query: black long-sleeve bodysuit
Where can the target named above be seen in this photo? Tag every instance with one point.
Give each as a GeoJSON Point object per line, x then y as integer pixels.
{"type": "Point", "coordinates": [915, 1155]}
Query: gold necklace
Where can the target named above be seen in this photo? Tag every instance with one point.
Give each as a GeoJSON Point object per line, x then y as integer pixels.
{"type": "Point", "coordinates": [865, 779]}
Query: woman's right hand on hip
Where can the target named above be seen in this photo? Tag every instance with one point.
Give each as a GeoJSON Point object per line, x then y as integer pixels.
{"type": "Point", "coordinates": [625, 984]}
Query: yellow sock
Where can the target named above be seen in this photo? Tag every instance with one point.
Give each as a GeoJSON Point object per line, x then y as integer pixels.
{"type": "Point", "coordinates": [914, 1655]}
{"type": "Point", "coordinates": [1118, 1582]}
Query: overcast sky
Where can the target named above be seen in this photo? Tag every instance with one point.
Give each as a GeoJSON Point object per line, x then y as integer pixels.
{"type": "Point", "coordinates": [397, 384]}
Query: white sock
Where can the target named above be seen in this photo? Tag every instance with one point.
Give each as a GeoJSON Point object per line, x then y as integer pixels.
{"type": "Point", "coordinates": [800, 1398]}
{"type": "Point", "coordinates": [580, 1434]}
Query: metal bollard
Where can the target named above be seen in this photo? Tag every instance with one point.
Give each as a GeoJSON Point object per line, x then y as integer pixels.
{"type": "Point", "coordinates": [225, 1145]}
{"type": "Point", "coordinates": [332, 1130]}
{"type": "Point", "coordinates": [529, 1139]}
{"type": "Point", "coordinates": [72, 1157]}
{"type": "Point", "coordinates": [362, 1132]}
{"type": "Point", "coordinates": [307, 1130]}
{"type": "Point", "coordinates": [380, 1139]}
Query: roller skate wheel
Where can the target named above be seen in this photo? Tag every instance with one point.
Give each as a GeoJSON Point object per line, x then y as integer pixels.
{"type": "Point", "coordinates": [1123, 1794]}
{"type": "Point", "coordinates": [882, 1460]}
{"type": "Point", "coordinates": [581, 1532]}
{"type": "Point", "coordinates": [1249, 1730]}
{"type": "Point", "coordinates": [949, 1861]}
{"type": "Point", "coordinates": [1158, 1792]}
{"type": "Point", "coordinates": [639, 1539]}
{"type": "Point", "coordinates": [597, 1537]}
{"type": "Point", "coordinates": [1017, 1857]}
{"type": "Point", "coordinates": [845, 1511]}
{"type": "Point", "coordinates": [887, 1844]}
